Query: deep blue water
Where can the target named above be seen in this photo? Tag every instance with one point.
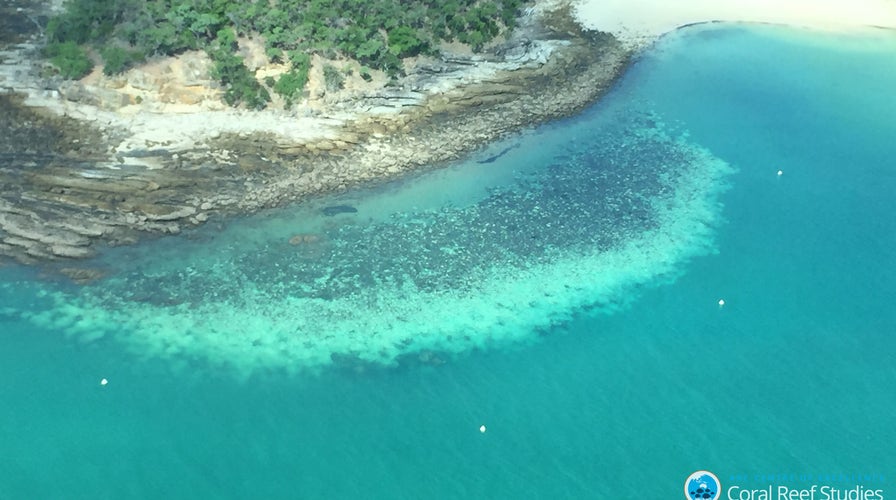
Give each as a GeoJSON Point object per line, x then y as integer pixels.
{"type": "Point", "coordinates": [793, 376]}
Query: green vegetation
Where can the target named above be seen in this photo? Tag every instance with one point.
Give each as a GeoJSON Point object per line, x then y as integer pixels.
{"type": "Point", "coordinates": [240, 84]}
{"type": "Point", "coordinates": [70, 58]}
{"type": "Point", "coordinates": [117, 59]}
{"type": "Point", "coordinates": [291, 83]}
{"type": "Point", "coordinates": [333, 79]}
{"type": "Point", "coordinates": [376, 33]}
{"type": "Point", "coordinates": [364, 72]}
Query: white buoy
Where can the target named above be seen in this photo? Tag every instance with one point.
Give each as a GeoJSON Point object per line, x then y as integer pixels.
{"type": "Point", "coordinates": [780, 173]}
{"type": "Point", "coordinates": [481, 428]}
{"type": "Point", "coordinates": [104, 382]}
{"type": "Point", "coordinates": [721, 302]}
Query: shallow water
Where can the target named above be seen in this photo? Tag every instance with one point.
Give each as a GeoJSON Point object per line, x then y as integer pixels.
{"type": "Point", "coordinates": [565, 295]}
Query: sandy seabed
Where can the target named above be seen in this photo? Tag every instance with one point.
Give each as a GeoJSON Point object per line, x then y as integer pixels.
{"type": "Point", "coordinates": [639, 22]}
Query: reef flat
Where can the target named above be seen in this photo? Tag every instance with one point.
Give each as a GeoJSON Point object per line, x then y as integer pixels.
{"type": "Point", "coordinates": [619, 210]}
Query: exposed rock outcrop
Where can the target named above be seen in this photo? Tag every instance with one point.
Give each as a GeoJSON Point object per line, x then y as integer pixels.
{"type": "Point", "coordinates": [109, 169]}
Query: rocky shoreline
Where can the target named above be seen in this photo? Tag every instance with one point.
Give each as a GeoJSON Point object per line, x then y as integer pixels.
{"type": "Point", "coordinates": [70, 184]}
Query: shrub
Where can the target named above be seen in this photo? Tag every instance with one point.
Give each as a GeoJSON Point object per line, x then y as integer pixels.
{"type": "Point", "coordinates": [117, 59]}
{"type": "Point", "coordinates": [87, 20]}
{"type": "Point", "coordinates": [509, 12]}
{"type": "Point", "coordinates": [369, 50]}
{"type": "Point", "coordinates": [240, 85]}
{"type": "Point", "coordinates": [275, 54]}
{"type": "Point", "coordinates": [333, 79]}
{"type": "Point", "coordinates": [70, 58]}
{"type": "Point", "coordinates": [365, 74]}
{"type": "Point", "coordinates": [407, 42]}
{"type": "Point", "coordinates": [291, 84]}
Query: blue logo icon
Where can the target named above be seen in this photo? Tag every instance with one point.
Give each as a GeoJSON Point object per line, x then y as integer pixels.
{"type": "Point", "coordinates": [702, 485]}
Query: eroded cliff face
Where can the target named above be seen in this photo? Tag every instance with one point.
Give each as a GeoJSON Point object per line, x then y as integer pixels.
{"type": "Point", "coordinates": [106, 159]}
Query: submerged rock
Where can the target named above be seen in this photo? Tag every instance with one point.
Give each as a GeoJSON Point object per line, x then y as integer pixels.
{"type": "Point", "coordinates": [589, 228]}
{"type": "Point", "coordinates": [82, 275]}
{"type": "Point", "coordinates": [338, 209]}
{"type": "Point", "coordinates": [301, 239]}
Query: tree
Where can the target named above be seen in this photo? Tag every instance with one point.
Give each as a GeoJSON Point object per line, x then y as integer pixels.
{"type": "Point", "coordinates": [406, 42]}
{"type": "Point", "coordinates": [377, 33]}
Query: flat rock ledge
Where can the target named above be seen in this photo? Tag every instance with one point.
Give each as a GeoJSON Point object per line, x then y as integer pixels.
{"type": "Point", "coordinates": [68, 187]}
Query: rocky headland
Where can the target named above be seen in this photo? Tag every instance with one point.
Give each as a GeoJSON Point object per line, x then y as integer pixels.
{"type": "Point", "coordinates": [106, 160]}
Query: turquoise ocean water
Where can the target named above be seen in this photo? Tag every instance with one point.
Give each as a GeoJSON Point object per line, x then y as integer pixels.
{"type": "Point", "coordinates": [561, 288]}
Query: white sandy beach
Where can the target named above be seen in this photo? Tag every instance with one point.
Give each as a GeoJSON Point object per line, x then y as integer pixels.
{"type": "Point", "coordinates": [641, 21]}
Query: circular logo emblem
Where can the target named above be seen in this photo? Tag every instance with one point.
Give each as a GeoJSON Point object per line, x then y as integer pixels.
{"type": "Point", "coordinates": [702, 485]}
